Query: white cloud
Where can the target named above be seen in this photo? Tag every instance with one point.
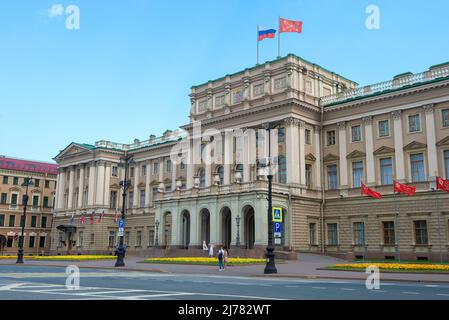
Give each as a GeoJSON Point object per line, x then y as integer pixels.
{"type": "Point", "coordinates": [56, 10]}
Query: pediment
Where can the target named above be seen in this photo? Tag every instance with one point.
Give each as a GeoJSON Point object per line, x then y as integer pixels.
{"type": "Point", "coordinates": [414, 145]}
{"type": "Point", "coordinates": [114, 186]}
{"type": "Point", "coordinates": [383, 150]}
{"type": "Point", "coordinates": [310, 157]}
{"type": "Point", "coordinates": [141, 185]}
{"type": "Point", "coordinates": [443, 142]}
{"type": "Point", "coordinates": [154, 182]}
{"type": "Point", "coordinates": [356, 154]}
{"type": "Point", "coordinates": [72, 149]}
{"type": "Point", "coordinates": [331, 157]}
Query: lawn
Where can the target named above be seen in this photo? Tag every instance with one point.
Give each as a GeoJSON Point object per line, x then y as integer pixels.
{"type": "Point", "coordinates": [412, 266]}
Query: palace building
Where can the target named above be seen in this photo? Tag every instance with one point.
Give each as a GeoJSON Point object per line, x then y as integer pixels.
{"type": "Point", "coordinates": [330, 137]}
{"type": "Point", "coordinates": [41, 197]}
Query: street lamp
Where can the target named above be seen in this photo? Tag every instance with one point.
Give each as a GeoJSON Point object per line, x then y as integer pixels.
{"type": "Point", "coordinates": [156, 242]}
{"type": "Point", "coordinates": [237, 220]}
{"type": "Point", "coordinates": [125, 162]}
{"type": "Point", "coordinates": [270, 268]}
{"type": "Point", "coordinates": [28, 182]}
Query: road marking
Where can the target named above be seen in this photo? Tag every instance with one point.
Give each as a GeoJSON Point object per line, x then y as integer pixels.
{"type": "Point", "coordinates": [265, 285]}
{"type": "Point", "coordinates": [408, 292]}
{"type": "Point", "coordinates": [10, 286]}
{"type": "Point", "coordinates": [319, 288]}
{"type": "Point", "coordinates": [443, 294]}
{"type": "Point", "coordinates": [431, 286]}
{"type": "Point", "coordinates": [153, 296]}
{"type": "Point", "coordinates": [376, 290]}
{"type": "Point", "coordinates": [291, 286]}
{"type": "Point", "coordinates": [347, 289]}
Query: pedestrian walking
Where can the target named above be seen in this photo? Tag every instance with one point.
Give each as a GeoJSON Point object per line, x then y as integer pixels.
{"type": "Point", "coordinates": [220, 255]}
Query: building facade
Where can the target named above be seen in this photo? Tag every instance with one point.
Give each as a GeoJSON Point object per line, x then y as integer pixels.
{"type": "Point", "coordinates": [205, 182]}
{"type": "Point", "coordinates": [38, 220]}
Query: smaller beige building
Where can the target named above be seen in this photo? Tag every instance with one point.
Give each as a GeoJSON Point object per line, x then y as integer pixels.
{"type": "Point", "coordinates": [38, 222]}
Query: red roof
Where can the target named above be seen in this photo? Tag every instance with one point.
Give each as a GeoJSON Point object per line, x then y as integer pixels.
{"type": "Point", "coordinates": [28, 166]}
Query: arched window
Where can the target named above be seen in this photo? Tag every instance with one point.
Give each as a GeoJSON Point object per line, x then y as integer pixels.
{"type": "Point", "coordinates": [282, 167]}
{"type": "Point", "coordinates": [220, 171]}
{"type": "Point", "coordinates": [202, 175]}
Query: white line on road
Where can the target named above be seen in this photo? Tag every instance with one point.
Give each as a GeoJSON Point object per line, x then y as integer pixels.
{"type": "Point", "coordinates": [291, 286]}
{"type": "Point", "coordinates": [408, 292]}
{"type": "Point", "coordinates": [319, 288]}
{"type": "Point", "coordinates": [443, 294]}
{"type": "Point", "coordinates": [347, 289]}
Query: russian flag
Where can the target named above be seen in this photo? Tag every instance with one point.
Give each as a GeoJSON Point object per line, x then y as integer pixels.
{"type": "Point", "coordinates": [263, 34]}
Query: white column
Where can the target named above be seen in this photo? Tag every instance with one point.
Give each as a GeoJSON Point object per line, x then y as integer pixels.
{"type": "Point", "coordinates": [71, 184]}
{"type": "Point", "coordinates": [107, 178]}
{"type": "Point", "coordinates": [100, 183]}
{"type": "Point", "coordinates": [61, 188]}
{"type": "Point", "coordinates": [174, 168]}
{"type": "Point", "coordinates": [432, 154]}
{"type": "Point", "coordinates": [228, 157]}
{"type": "Point", "coordinates": [317, 148]}
{"type": "Point", "coordinates": [56, 204]}
{"type": "Point", "coordinates": [247, 155]}
{"type": "Point", "coordinates": [292, 150]}
{"type": "Point", "coordinates": [161, 170]}
{"type": "Point", "coordinates": [342, 153]}
{"type": "Point", "coordinates": [81, 186]}
{"type": "Point", "coordinates": [398, 146]}
{"type": "Point", "coordinates": [147, 185]}
{"type": "Point", "coordinates": [190, 165]}
{"type": "Point", "coordinates": [369, 147]}
{"type": "Point", "coordinates": [302, 155]}
{"type": "Point", "coordinates": [136, 185]}
{"type": "Point", "coordinates": [92, 184]}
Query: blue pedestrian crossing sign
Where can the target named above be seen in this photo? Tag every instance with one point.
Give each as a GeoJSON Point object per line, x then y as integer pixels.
{"type": "Point", "coordinates": [277, 214]}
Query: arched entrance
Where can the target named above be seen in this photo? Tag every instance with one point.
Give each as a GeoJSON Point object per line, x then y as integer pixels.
{"type": "Point", "coordinates": [185, 229]}
{"type": "Point", "coordinates": [205, 226]}
{"type": "Point", "coordinates": [226, 227]}
{"type": "Point", "coordinates": [249, 227]}
{"type": "Point", "coordinates": [166, 229]}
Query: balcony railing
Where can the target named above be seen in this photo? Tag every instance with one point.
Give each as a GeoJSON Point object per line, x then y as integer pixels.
{"type": "Point", "coordinates": [407, 79]}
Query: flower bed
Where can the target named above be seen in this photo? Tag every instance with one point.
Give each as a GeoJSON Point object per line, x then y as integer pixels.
{"type": "Point", "coordinates": [400, 267]}
{"type": "Point", "coordinates": [64, 258]}
{"type": "Point", "coordinates": [204, 261]}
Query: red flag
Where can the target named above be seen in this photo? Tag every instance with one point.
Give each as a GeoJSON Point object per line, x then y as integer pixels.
{"type": "Point", "coordinates": [289, 26]}
{"type": "Point", "coordinates": [367, 191]}
{"type": "Point", "coordinates": [101, 216]}
{"type": "Point", "coordinates": [402, 188]}
{"type": "Point", "coordinates": [443, 184]}
{"type": "Point", "coordinates": [92, 217]}
{"type": "Point", "coordinates": [116, 216]}
{"type": "Point", "coordinates": [82, 219]}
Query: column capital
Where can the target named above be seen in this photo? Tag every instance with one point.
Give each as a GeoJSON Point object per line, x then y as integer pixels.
{"type": "Point", "coordinates": [62, 170]}
{"type": "Point", "coordinates": [301, 124]}
{"type": "Point", "coordinates": [80, 166]}
{"type": "Point", "coordinates": [101, 163]}
{"type": "Point", "coordinates": [368, 120]}
{"type": "Point", "coordinates": [341, 125]}
{"type": "Point", "coordinates": [429, 108]}
{"type": "Point", "coordinates": [291, 121]}
{"type": "Point", "coordinates": [91, 163]}
{"type": "Point", "coordinates": [396, 114]}
{"type": "Point", "coordinates": [317, 128]}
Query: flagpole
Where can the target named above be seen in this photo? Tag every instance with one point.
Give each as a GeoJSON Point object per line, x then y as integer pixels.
{"type": "Point", "coordinates": [257, 61]}
{"type": "Point", "coordinates": [396, 226]}
{"type": "Point", "coordinates": [439, 221]}
{"type": "Point", "coordinates": [364, 226]}
{"type": "Point", "coordinates": [279, 38]}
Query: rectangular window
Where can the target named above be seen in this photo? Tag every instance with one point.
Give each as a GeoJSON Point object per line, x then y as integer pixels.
{"type": "Point", "coordinates": [414, 123]}
{"type": "Point", "coordinates": [46, 202]}
{"type": "Point", "coordinates": [12, 221]}
{"type": "Point", "coordinates": [445, 115]}
{"type": "Point", "coordinates": [258, 89]}
{"type": "Point", "coordinates": [31, 242]}
{"type": "Point", "coordinates": [114, 171]}
{"type": "Point", "coordinates": [389, 236]}
{"type": "Point", "coordinates": [113, 200]}
{"type": "Point", "coordinates": [4, 197]}
{"type": "Point", "coordinates": [142, 198]}
{"type": "Point", "coordinates": [309, 176]}
{"type": "Point", "coordinates": [156, 168]}
{"type": "Point", "coordinates": [127, 235]}
{"type": "Point", "coordinates": [15, 181]}
{"type": "Point", "coordinates": [42, 242]}
{"type": "Point", "coordinates": [307, 136]}
{"type": "Point", "coordinates": [281, 135]}
{"type": "Point", "coordinates": [384, 128]}
{"type": "Point", "coordinates": [312, 233]}
{"type": "Point", "coordinates": [14, 200]}
{"type": "Point", "coordinates": [111, 239]}
{"type": "Point", "coordinates": [421, 232]}
{"type": "Point", "coordinates": [154, 194]}
{"type": "Point", "coordinates": [9, 241]}
{"type": "Point", "coordinates": [446, 163]}
{"type": "Point", "coordinates": [33, 221]}
{"type": "Point", "coordinates": [144, 170]}
{"type": "Point", "coordinates": [331, 138]}
{"type": "Point", "coordinates": [92, 238]}
{"type": "Point", "coordinates": [280, 83]}
{"type": "Point", "coordinates": [359, 233]}
{"type": "Point", "coordinates": [81, 238]}
{"type": "Point", "coordinates": [47, 184]}
{"type": "Point", "coordinates": [139, 238]}
{"type": "Point", "coordinates": [2, 220]}
{"type": "Point", "coordinates": [169, 166]}
{"type": "Point", "coordinates": [332, 179]}
{"type": "Point", "coordinates": [131, 173]}
{"type": "Point", "coordinates": [35, 201]}
{"type": "Point", "coordinates": [332, 234]}
{"type": "Point", "coordinates": [151, 237]}
{"type": "Point", "coordinates": [44, 222]}
{"type": "Point", "coordinates": [357, 173]}
{"type": "Point", "coordinates": [237, 96]}
{"type": "Point", "coordinates": [417, 167]}
{"type": "Point", "coordinates": [356, 134]}
{"type": "Point", "coordinates": [5, 179]}
{"type": "Point", "coordinates": [219, 101]}
{"type": "Point", "coordinates": [22, 221]}
{"type": "Point", "coordinates": [130, 199]}
{"type": "Point", "coordinates": [386, 171]}
{"type": "Point", "coordinates": [37, 183]}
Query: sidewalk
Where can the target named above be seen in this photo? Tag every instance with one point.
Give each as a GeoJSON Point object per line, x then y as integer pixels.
{"type": "Point", "coordinates": [306, 268]}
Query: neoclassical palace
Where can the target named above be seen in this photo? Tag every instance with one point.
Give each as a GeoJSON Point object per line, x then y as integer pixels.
{"type": "Point", "coordinates": [329, 136]}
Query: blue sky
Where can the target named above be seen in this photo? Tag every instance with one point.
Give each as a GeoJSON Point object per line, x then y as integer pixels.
{"type": "Point", "coordinates": [127, 72]}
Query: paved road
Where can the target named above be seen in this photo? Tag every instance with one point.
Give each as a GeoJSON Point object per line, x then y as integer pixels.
{"type": "Point", "coordinates": [48, 283]}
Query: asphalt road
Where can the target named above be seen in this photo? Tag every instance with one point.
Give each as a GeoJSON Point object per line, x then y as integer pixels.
{"type": "Point", "coordinates": [49, 283]}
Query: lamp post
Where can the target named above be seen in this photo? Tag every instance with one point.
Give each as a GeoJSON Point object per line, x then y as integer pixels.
{"type": "Point", "coordinates": [28, 182]}
{"type": "Point", "coordinates": [237, 220]}
{"type": "Point", "coordinates": [121, 250]}
{"type": "Point", "coordinates": [156, 242]}
{"type": "Point", "coordinates": [270, 268]}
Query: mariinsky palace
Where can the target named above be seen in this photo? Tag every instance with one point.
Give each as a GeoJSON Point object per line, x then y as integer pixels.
{"type": "Point", "coordinates": [331, 136]}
